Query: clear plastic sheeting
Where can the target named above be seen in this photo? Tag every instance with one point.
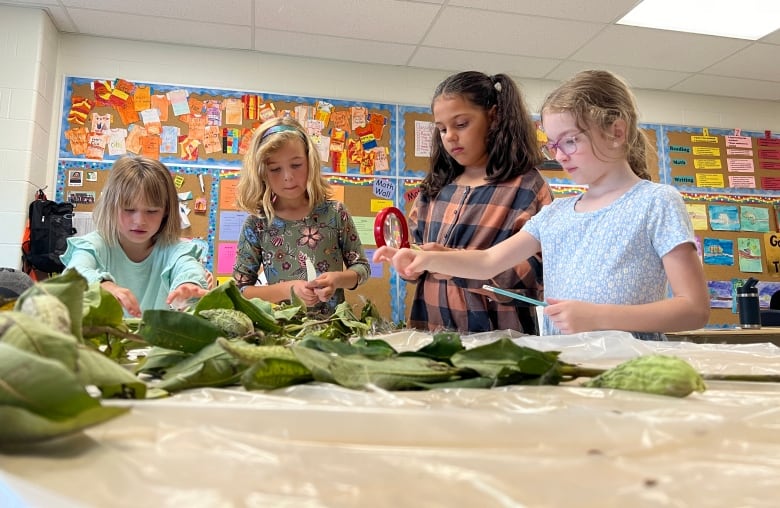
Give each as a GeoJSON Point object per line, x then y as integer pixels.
{"type": "Point", "coordinates": [319, 445]}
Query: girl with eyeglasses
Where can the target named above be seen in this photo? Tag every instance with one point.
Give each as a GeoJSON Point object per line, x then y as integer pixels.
{"type": "Point", "coordinates": [482, 187]}
{"type": "Point", "coordinates": [610, 253]}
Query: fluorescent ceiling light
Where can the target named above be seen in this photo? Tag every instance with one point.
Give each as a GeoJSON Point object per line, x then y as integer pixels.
{"type": "Point", "coordinates": [743, 19]}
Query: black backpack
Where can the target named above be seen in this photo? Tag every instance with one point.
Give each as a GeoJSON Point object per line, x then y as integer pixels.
{"type": "Point", "coordinates": [49, 226]}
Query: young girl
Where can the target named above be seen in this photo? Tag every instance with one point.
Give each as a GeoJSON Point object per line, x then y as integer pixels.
{"type": "Point", "coordinates": [482, 187]}
{"type": "Point", "coordinates": [609, 252]}
{"type": "Point", "coordinates": [136, 250]}
{"type": "Point", "coordinates": [291, 220]}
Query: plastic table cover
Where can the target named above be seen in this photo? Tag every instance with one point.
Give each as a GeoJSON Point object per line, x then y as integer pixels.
{"type": "Point", "coordinates": [319, 445]}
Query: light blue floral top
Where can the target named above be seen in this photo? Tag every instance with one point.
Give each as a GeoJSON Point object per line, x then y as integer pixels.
{"type": "Point", "coordinates": [612, 255]}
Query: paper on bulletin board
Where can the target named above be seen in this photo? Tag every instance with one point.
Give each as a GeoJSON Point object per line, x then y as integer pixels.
{"type": "Point", "coordinates": [772, 252]}
{"type": "Point", "coordinates": [365, 229]}
{"type": "Point", "coordinates": [230, 225]}
{"type": "Point", "coordinates": [379, 204]}
{"type": "Point", "coordinates": [423, 136]}
{"type": "Point", "coordinates": [709, 180]}
{"type": "Point", "coordinates": [228, 193]}
{"type": "Point", "coordinates": [698, 214]}
{"type": "Point", "coordinates": [226, 257]}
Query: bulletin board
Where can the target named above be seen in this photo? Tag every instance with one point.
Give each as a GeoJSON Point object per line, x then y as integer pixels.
{"type": "Point", "coordinates": [104, 119]}
{"type": "Point", "coordinates": [736, 239]}
{"type": "Point", "coordinates": [727, 160]}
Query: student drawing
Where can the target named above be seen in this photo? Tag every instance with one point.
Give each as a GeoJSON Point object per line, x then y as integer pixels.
{"type": "Point", "coordinates": [724, 217]}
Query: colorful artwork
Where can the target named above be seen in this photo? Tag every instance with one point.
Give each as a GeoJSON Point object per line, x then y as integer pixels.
{"type": "Point", "coordinates": [749, 250]}
{"type": "Point", "coordinates": [718, 251]}
{"type": "Point", "coordinates": [720, 294]}
{"type": "Point", "coordinates": [724, 217]}
{"type": "Point", "coordinates": [754, 218]}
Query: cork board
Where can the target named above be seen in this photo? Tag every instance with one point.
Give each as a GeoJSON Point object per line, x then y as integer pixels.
{"type": "Point", "coordinates": [83, 183]}
{"type": "Point", "coordinates": [731, 256]}
{"type": "Point", "coordinates": [720, 159]}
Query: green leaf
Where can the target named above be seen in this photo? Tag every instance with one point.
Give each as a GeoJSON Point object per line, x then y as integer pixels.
{"type": "Point", "coordinates": [443, 346]}
{"type": "Point", "coordinates": [395, 373]}
{"type": "Point", "coordinates": [181, 331]}
{"type": "Point", "coordinates": [69, 288]}
{"type": "Point", "coordinates": [316, 361]}
{"type": "Point", "coordinates": [112, 379]}
{"type": "Point", "coordinates": [101, 308]}
{"type": "Point", "coordinates": [273, 373]}
{"type": "Point", "coordinates": [160, 359]}
{"type": "Point", "coordinates": [289, 313]}
{"type": "Point", "coordinates": [26, 333]}
{"type": "Point", "coordinates": [41, 385]}
{"type": "Point", "coordinates": [211, 366]}
{"type": "Point", "coordinates": [227, 296]}
{"type": "Point", "coordinates": [21, 426]}
{"type": "Point", "coordinates": [508, 363]}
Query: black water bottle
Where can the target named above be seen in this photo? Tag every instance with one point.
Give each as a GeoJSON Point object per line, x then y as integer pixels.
{"type": "Point", "coordinates": [747, 305]}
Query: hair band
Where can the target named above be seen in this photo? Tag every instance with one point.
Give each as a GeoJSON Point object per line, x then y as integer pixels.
{"type": "Point", "coordinates": [281, 128]}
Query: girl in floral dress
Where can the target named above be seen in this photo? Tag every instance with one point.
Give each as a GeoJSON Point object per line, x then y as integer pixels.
{"type": "Point", "coordinates": [291, 219]}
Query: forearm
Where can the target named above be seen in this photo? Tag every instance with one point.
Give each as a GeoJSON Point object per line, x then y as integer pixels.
{"type": "Point", "coordinates": [668, 315]}
{"type": "Point", "coordinates": [274, 293]}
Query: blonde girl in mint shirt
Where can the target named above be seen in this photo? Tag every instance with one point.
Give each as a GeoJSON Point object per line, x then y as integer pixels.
{"type": "Point", "coordinates": [136, 251]}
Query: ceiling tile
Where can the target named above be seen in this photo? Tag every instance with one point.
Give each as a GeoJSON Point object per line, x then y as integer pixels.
{"type": "Point", "coordinates": [511, 34]}
{"type": "Point", "coordinates": [236, 12]}
{"type": "Point", "coordinates": [149, 28]}
{"type": "Point", "coordinates": [489, 63]}
{"type": "Point", "coordinates": [657, 49]}
{"type": "Point", "coordinates": [773, 38]}
{"type": "Point", "coordinates": [635, 76]}
{"type": "Point", "coordinates": [734, 87]}
{"type": "Point", "coordinates": [577, 10]}
{"type": "Point", "coordinates": [381, 20]}
{"type": "Point", "coordinates": [335, 48]}
{"type": "Point", "coordinates": [757, 61]}
{"type": "Point", "coordinates": [61, 19]}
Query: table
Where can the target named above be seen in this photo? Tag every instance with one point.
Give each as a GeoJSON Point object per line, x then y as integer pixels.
{"type": "Point", "coordinates": [729, 335]}
{"type": "Point", "coordinates": [321, 445]}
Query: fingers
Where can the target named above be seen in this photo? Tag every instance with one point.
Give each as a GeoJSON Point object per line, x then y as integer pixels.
{"type": "Point", "coordinates": [383, 254]}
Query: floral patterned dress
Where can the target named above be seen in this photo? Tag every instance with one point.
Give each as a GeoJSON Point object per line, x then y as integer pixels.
{"type": "Point", "coordinates": [279, 249]}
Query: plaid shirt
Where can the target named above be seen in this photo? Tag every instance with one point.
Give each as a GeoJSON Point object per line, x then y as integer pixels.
{"type": "Point", "coordinates": [463, 217]}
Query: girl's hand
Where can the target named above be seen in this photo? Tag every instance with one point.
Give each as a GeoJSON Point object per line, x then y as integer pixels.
{"type": "Point", "coordinates": [304, 292]}
{"type": "Point", "coordinates": [408, 262]}
{"type": "Point", "coordinates": [383, 254]}
{"type": "Point", "coordinates": [572, 316]}
{"type": "Point", "coordinates": [184, 292]}
{"type": "Point", "coordinates": [125, 296]}
{"type": "Point", "coordinates": [327, 283]}
{"type": "Point", "coordinates": [209, 280]}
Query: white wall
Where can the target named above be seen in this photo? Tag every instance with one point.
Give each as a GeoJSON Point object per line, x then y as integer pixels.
{"type": "Point", "coordinates": [28, 54]}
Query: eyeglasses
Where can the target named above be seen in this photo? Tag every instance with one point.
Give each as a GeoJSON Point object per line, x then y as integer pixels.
{"type": "Point", "coordinates": [567, 145]}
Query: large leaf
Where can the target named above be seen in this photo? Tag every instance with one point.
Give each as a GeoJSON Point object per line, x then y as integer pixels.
{"type": "Point", "coordinates": [507, 363]}
{"type": "Point", "coordinates": [40, 385]}
{"type": "Point", "coordinates": [181, 331]}
{"type": "Point", "coordinates": [69, 288]}
{"type": "Point", "coordinates": [227, 296]}
{"type": "Point", "coordinates": [27, 333]}
{"type": "Point", "coordinates": [101, 308]}
{"type": "Point", "coordinates": [273, 373]}
{"type": "Point", "coordinates": [160, 359]}
{"type": "Point", "coordinates": [395, 373]}
{"type": "Point", "coordinates": [21, 426]}
{"type": "Point", "coordinates": [112, 379]}
{"type": "Point", "coordinates": [211, 366]}
{"type": "Point", "coordinates": [442, 347]}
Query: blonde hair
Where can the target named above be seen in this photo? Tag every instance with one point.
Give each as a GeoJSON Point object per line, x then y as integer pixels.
{"type": "Point", "coordinates": [254, 194]}
{"type": "Point", "coordinates": [134, 179]}
{"type": "Point", "coordinates": [598, 98]}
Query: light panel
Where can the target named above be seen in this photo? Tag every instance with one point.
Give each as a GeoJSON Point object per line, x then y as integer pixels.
{"type": "Point", "coordinates": [744, 19]}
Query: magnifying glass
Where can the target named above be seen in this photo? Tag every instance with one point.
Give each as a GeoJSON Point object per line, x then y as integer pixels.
{"type": "Point", "coordinates": [391, 229]}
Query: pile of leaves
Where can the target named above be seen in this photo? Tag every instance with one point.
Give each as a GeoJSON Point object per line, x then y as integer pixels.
{"type": "Point", "coordinates": [65, 345]}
